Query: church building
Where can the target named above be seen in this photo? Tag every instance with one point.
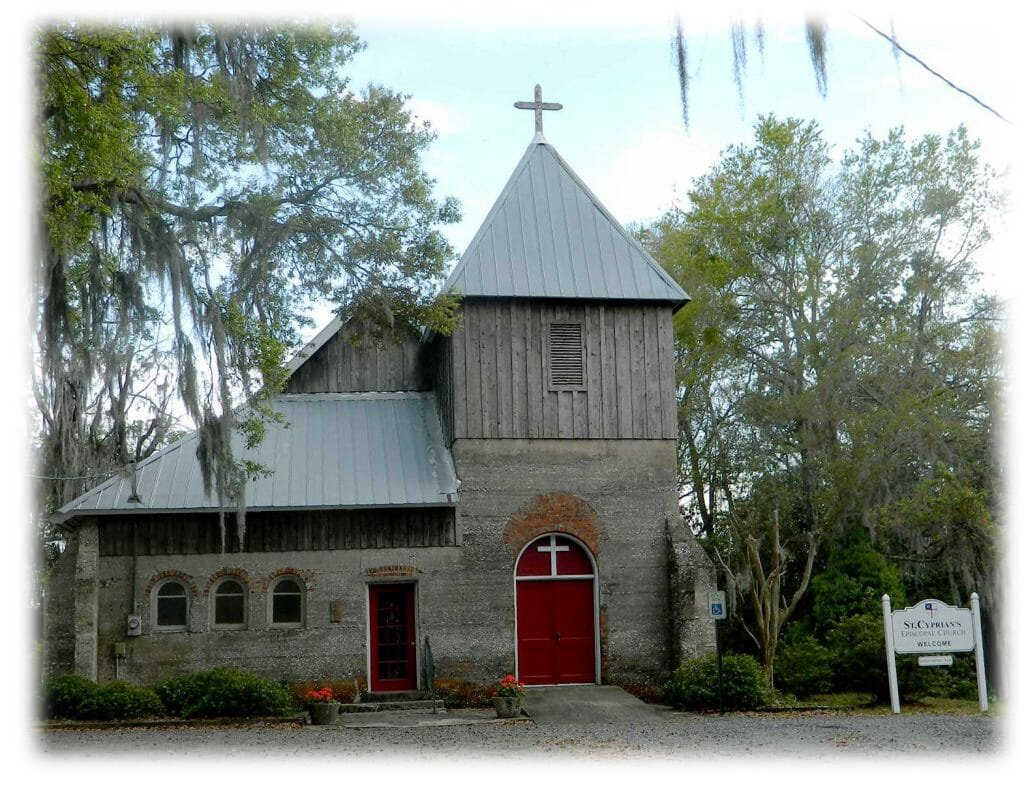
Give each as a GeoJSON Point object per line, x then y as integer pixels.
{"type": "Point", "coordinates": [507, 493]}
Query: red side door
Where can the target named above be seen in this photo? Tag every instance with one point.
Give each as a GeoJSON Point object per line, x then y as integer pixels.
{"type": "Point", "coordinates": [392, 637]}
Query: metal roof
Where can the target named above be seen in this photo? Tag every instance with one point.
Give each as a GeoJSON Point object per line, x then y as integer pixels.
{"type": "Point", "coordinates": [333, 450]}
{"type": "Point", "coordinates": [548, 236]}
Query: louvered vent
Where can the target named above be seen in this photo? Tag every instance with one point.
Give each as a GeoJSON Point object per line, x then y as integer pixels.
{"type": "Point", "coordinates": [565, 355]}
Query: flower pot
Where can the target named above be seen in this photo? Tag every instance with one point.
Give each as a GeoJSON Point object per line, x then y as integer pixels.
{"type": "Point", "coordinates": [323, 713]}
{"type": "Point", "coordinates": [507, 707]}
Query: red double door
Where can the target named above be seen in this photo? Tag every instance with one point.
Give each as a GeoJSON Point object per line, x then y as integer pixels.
{"type": "Point", "coordinates": [555, 613]}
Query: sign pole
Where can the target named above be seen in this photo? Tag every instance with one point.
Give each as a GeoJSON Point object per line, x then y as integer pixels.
{"type": "Point", "coordinates": [718, 646]}
{"type": "Point", "coordinates": [979, 653]}
{"type": "Point", "coordinates": [890, 655]}
{"type": "Point", "coordinates": [717, 611]}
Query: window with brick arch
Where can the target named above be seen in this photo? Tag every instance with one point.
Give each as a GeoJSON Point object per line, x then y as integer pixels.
{"type": "Point", "coordinates": [229, 604]}
{"type": "Point", "coordinates": [170, 606]}
{"type": "Point", "coordinates": [287, 602]}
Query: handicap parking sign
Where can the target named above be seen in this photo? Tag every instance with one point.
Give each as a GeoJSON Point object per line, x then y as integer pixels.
{"type": "Point", "coordinates": [716, 604]}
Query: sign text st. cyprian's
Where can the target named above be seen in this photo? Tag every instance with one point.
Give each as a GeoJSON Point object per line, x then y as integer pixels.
{"type": "Point", "coordinates": [931, 626]}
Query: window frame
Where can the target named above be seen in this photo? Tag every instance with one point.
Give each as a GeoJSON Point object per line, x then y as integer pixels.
{"type": "Point", "coordinates": [155, 606]}
{"type": "Point", "coordinates": [214, 592]}
{"type": "Point", "coordinates": [272, 592]}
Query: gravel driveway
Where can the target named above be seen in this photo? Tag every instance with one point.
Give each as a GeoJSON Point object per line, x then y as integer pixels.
{"type": "Point", "coordinates": [679, 736]}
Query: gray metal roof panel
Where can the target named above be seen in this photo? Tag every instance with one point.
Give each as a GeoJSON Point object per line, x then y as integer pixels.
{"type": "Point", "coordinates": [548, 236]}
{"type": "Point", "coordinates": [332, 450]}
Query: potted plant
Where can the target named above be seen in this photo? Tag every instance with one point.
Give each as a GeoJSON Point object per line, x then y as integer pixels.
{"type": "Point", "coordinates": [323, 708]}
{"type": "Point", "coordinates": [507, 697]}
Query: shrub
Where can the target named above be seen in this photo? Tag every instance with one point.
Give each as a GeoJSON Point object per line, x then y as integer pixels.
{"type": "Point", "coordinates": [120, 700]}
{"type": "Point", "coordinates": [63, 696]}
{"type": "Point", "coordinates": [957, 681]}
{"type": "Point", "coordinates": [804, 668]}
{"type": "Point", "coordinates": [857, 645]}
{"type": "Point", "coordinates": [853, 584]}
{"type": "Point", "coordinates": [222, 692]}
{"type": "Point", "coordinates": [344, 691]}
{"type": "Point", "coordinates": [695, 684]}
{"type": "Point", "coordinates": [76, 698]}
{"type": "Point", "coordinates": [459, 694]}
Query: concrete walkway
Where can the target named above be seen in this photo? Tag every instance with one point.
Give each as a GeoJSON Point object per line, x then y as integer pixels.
{"type": "Point", "coordinates": [588, 705]}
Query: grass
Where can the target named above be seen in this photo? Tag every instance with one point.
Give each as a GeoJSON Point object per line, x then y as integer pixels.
{"type": "Point", "coordinates": [864, 704]}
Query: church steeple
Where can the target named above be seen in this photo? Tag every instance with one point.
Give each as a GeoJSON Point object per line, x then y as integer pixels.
{"type": "Point", "coordinates": [548, 236]}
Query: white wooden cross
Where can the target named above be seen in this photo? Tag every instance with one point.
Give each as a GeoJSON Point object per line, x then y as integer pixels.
{"type": "Point", "coordinates": [553, 548]}
{"type": "Point", "coordinates": [538, 107]}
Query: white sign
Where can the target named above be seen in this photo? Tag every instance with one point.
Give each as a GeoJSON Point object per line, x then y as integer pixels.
{"type": "Point", "coordinates": [716, 604]}
{"type": "Point", "coordinates": [931, 626]}
{"type": "Point", "coordinates": [934, 661]}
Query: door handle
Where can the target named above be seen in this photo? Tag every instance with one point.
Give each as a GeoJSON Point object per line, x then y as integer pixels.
{"type": "Point", "coordinates": [558, 638]}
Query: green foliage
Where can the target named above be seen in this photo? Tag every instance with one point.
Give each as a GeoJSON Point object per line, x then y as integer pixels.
{"type": "Point", "coordinates": [853, 583]}
{"type": "Point", "coordinates": [694, 685]}
{"type": "Point", "coordinates": [857, 646]}
{"type": "Point", "coordinates": [119, 700]}
{"type": "Point", "coordinates": [804, 668]}
{"type": "Point", "coordinates": [223, 692]}
{"type": "Point", "coordinates": [76, 698]}
{"type": "Point", "coordinates": [62, 696]}
{"type": "Point", "coordinates": [838, 367]}
{"type": "Point", "coordinates": [957, 681]}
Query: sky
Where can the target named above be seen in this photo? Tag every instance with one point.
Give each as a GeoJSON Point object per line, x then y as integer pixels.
{"type": "Point", "coordinates": [610, 65]}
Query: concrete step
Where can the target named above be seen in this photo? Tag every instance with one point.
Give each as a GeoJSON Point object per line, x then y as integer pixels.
{"type": "Point", "coordinates": [392, 697]}
{"type": "Point", "coordinates": [393, 705]}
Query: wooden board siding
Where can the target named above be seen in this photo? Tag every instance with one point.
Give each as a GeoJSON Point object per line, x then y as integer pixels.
{"type": "Point", "coordinates": [493, 371]}
{"type": "Point", "coordinates": [314, 530]}
{"type": "Point", "coordinates": [341, 366]}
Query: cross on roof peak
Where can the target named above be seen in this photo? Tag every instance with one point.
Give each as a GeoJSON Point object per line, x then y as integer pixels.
{"type": "Point", "coordinates": [538, 107]}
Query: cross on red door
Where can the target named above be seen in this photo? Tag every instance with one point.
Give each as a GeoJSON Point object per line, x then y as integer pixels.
{"type": "Point", "coordinates": [553, 548]}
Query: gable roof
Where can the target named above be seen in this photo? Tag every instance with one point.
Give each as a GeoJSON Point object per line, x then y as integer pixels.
{"type": "Point", "coordinates": [332, 451]}
{"type": "Point", "coordinates": [548, 236]}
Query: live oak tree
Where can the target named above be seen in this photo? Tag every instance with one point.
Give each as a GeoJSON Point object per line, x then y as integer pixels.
{"type": "Point", "coordinates": [837, 366]}
{"type": "Point", "coordinates": [199, 189]}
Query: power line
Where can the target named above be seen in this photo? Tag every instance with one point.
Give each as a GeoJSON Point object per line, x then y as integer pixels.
{"type": "Point", "coordinates": [914, 58]}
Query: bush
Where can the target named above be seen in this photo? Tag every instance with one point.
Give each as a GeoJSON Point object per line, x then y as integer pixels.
{"type": "Point", "coordinates": [73, 697]}
{"type": "Point", "coordinates": [857, 645]}
{"type": "Point", "coordinates": [853, 584]}
{"type": "Point", "coordinates": [695, 684]}
{"type": "Point", "coordinates": [222, 692]}
{"type": "Point", "coordinates": [120, 700]}
{"type": "Point", "coordinates": [63, 696]}
{"type": "Point", "coordinates": [459, 694]}
{"type": "Point", "coordinates": [804, 668]}
{"type": "Point", "coordinates": [957, 681]}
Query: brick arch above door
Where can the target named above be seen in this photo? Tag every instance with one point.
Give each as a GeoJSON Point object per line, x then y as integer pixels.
{"type": "Point", "coordinates": [554, 512]}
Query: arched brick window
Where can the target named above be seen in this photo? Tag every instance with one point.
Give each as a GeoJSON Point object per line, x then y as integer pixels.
{"type": "Point", "coordinates": [230, 604]}
{"type": "Point", "coordinates": [287, 602]}
{"type": "Point", "coordinates": [170, 603]}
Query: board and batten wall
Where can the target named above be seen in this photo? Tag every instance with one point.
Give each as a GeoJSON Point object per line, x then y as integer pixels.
{"type": "Point", "coordinates": [492, 380]}
{"type": "Point", "coordinates": [366, 365]}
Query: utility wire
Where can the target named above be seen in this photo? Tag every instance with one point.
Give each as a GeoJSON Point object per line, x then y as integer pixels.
{"type": "Point", "coordinates": [954, 86]}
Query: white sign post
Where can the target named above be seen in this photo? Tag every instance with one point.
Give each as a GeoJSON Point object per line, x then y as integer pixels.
{"type": "Point", "coordinates": [928, 627]}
